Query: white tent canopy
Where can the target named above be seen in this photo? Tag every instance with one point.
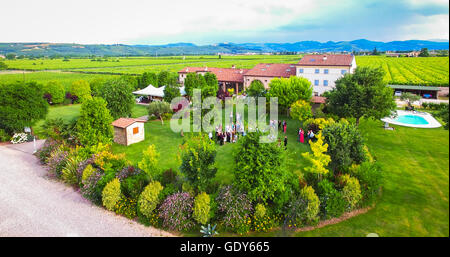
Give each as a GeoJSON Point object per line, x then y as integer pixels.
{"type": "Point", "coordinates": [155, 91]}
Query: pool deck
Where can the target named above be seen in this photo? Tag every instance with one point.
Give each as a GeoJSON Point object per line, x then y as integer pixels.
{"type": "Point", "coordinates": [432, 122]}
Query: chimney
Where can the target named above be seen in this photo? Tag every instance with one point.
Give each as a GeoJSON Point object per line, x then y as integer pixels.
{"type": "Point", "coordinates": [324, 57]}
{"type": "Point", "coordinates": [233, 66]}
{"type": "Point", "coordinates": [206, 68]}
{"type": "Point", "coordinates": [241, 71]}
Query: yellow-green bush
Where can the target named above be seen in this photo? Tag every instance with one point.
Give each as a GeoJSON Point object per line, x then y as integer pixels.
{"type": "Point", "coordinates": [111, 194]}
{"type": "Point", "coordinates": [260, 210]}
{"type": "Point", "coordinates": [149, 198]}
{"type": "Point", "coordinates": [202, 207]}
{"type": "Point", "coordinates": [312, 209]}
{"type": "Point", "coordinates": [351, 190]}
{"type": "Point", "coordinates": [87, 172]}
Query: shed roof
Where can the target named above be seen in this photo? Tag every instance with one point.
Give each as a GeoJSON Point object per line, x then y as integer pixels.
{"type": "Point", "coordinates": [125, 122]}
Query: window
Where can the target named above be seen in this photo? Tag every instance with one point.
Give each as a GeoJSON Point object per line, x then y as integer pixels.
{"type": "Point", "coordinates": [325, 71]}
{"type": "Point", "coordinates": [317, 71]}
{"type": "Point", "coordinates": [300, 71]}
{"type": "Point", "coordinates": [316, 82]}
{"type": "Point", "coordinates": [325, 82]}
{"type": "Point", "coordinates": [135, 130]}
{"type": "Point", "coordinates": [316, 94]}
{"type": "Point", "coordinates": [343, 72]}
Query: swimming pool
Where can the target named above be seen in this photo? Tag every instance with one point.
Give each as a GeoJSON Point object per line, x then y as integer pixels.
{"type": "Point", "coordinates": [413, 119]}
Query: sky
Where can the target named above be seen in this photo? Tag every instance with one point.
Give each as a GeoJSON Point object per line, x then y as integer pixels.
{"type": "Point", "coordinates": [208, 21]}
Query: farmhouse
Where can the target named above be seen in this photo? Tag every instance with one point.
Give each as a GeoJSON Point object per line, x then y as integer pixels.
{"type": "Point", "coordinates": [128, 131]}
{"type": "Point", "coordinates": [265, 72]}
{"type": "Point", "coordinates": [228, 77]}
{"type": "Point", "coordinates": [323, 70]}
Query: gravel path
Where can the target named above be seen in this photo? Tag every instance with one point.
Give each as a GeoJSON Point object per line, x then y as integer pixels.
{"type": "Point", "coordinates": [31, 204]}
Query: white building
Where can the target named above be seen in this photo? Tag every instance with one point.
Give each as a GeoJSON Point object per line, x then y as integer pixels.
{"type": "Point", "coordinates": [323, 70]}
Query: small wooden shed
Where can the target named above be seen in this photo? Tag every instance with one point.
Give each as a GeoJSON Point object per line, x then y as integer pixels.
{"type": "Point", "coordinates": [128, 131]}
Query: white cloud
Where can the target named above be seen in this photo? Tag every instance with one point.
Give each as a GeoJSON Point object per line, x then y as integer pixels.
{"type": "Point", "coordinates": [200, 21]}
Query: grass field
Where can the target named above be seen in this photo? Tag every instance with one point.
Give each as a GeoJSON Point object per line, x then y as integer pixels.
{"type": "Point", "coordinates": [43, 77]}
{"type": "Point", "coordinates": [415, 162]}
{"type": "Point", "coordinates": [431, 71]}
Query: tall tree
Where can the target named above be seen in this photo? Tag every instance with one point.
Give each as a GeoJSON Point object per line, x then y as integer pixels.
{"type": "Point", "coordinates": [362, 94]}
{"type": "Point", "coordinates": [158, 108]}
{"type": "Point", "coordinates": [81, 89]}
{"type": "Point", "coordinates": [290, 90]}
{"type": "Point", "coordinates": [148, 78]}
{"type": "Point", "coordinates": [119, 97]}
{"type": "Point", "coordinates": [409, 98]}
{"type": "Point", "coordinates": [256, 89]}
{"type": "Point", "coordinates": [55, 90]}
{"type": "Point", "coordinates": [171, 91]}
{"type": "Point", "coordinates": [198, 155]}
{"type": "Point", "coordinates": [258, 168]}
{"type": "Point", "coordinates": [163, 78]}
{"type": "Point", "coordinates": [424, 52]}
{"type": "Point", "coordinates": [21, 105]}
{"type": "Point", "coordinates": [94, 124]}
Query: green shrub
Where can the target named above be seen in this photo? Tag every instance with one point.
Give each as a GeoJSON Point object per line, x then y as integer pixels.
{"type": "Point", "coordinates": [370, 179]}
{"type": "Point", "coordinates": [56, 161]}
{"type": "Point", "coordinates": [4, 137]}
{"type": "Point", "coordinates": [69, 173]}
{"type": "Point", "coordinates": [198, 155]}
{"type": "Point", "coordinates": [56, 90]}
{"type": "Point", "coordinates": [111, 194]}
{"type": "Point", "coordinates": [94, 125]}
{"type": "Point", "coordinates": [332, 203]}
{"type": "Point", "coordinates": [202, 207]}
{"type": "Point", "coordinates": [82, 90]}
{"type": "Point", "coordinates": [87, 172]}
{"type": "Point", "coordinates": [149, 198]}
{"type": "Point", "coordinates": [260, 210]}
{"type": "Point", "coordinates": [149, 162]}
{"type": "Point", "coordinates": [351, 191]}
{"type": "Point", "coordinates": [312, 204]}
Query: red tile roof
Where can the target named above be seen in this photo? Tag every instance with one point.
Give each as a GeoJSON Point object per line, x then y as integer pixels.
{"type": "Point", "coordinates": [272, 70]}
{"type": "Point", "coordinates": [222, 74]}
{"type": "Point", "coordinates": [326, 60]}
{"type": "Point", "coordinates": [125, 122]}
{"type": "Point", "coordinates": [318, 99]}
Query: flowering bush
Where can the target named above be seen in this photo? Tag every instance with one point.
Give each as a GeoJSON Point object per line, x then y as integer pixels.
{"type": "Point", "coordinates": [202, 207]}
{"type": "Point", "coordinates": [56, 161]}
{"type": "Point", "coordinates": [149, 198]}
{"type": "Point", "coordinates": [264, 223]}
{"type": "Point", "coordinates": [44, 152]}
{"type": "Point", "coordinates": [235, 209]}
{"type": "Point", "coordinates": [176, 212]}
{"type": "Point", "coordinates": [90, 190]}
{"type": "Point", "coordinates": [126, 206]}
{"type": "Point", "coordinates": [111, 194]}
{"type": "Point", "coordinates": [82, 166]}
{"type": "Point", "coordinates": [19, 138]}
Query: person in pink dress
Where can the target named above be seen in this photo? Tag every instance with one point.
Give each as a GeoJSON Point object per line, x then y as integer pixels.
{"type": "Point", "coordinates": [284, 126]}
{"type": "Point", "coordinates": [301, 136]}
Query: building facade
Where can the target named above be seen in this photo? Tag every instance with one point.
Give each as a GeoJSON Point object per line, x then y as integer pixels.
{"type": "Point", "coordinates": [128, 131]}
{"type": "Point", "coordinates": [323, 70]}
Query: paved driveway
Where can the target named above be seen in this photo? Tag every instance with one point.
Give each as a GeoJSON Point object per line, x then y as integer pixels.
{"type": "Point", "coordinates": [33, 205]}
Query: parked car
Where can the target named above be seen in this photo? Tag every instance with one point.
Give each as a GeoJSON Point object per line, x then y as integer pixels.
{"type": "Point", "coordinates": [398, 93]}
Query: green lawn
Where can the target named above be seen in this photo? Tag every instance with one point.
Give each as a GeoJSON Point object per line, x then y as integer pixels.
{"type": "Point", "coordinates": [415, 163]}
{"type": "Point", "coordinates": [416, 185]}
{"type": "Point", "coordinates": [69, 112]}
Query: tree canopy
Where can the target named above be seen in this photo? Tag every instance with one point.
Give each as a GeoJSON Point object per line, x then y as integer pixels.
{"type": "Point", "coordinates": [258, 169]}
{"type": "Point", "coordinates": [158, 108]}
{"type": "Point", "coordinates": [119, 97]}
{"type": "Point", "coordinates": [21, 105]}
{"type": "Point", "coordinates": [290, 90]}
{"type": "Point", "coordinates": [256, 89]}
{"type": "Point", "coordinates": [424, 52]}
{"type": "Point", "coordinates": [94, 123]}
{"type": "Point", "coordinates": [81, 89]}
{"type": "Point", "coordinates": [55, 91]}
{"type": "Point", "coordinates": [362, 94]}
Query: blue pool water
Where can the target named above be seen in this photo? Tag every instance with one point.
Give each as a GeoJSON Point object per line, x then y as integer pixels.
{"type": "Point", "coordinates": [411, 119]}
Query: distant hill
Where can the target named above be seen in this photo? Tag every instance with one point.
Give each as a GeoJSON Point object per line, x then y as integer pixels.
{"type": "Point", "coordinates": [57, 49]}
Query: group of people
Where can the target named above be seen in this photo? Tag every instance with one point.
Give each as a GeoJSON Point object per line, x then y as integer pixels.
{"type": "Point", "coordinates": [309, 136]}
{"type": "Point", "coordinates": [228, 135]}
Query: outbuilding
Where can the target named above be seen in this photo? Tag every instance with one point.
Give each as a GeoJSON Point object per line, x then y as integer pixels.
{"type": "Point", "coordinates": [128, 131]}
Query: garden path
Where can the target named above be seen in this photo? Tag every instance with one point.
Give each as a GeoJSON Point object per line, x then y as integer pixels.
{"type": "Point", "coordinates": [31, 204]}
